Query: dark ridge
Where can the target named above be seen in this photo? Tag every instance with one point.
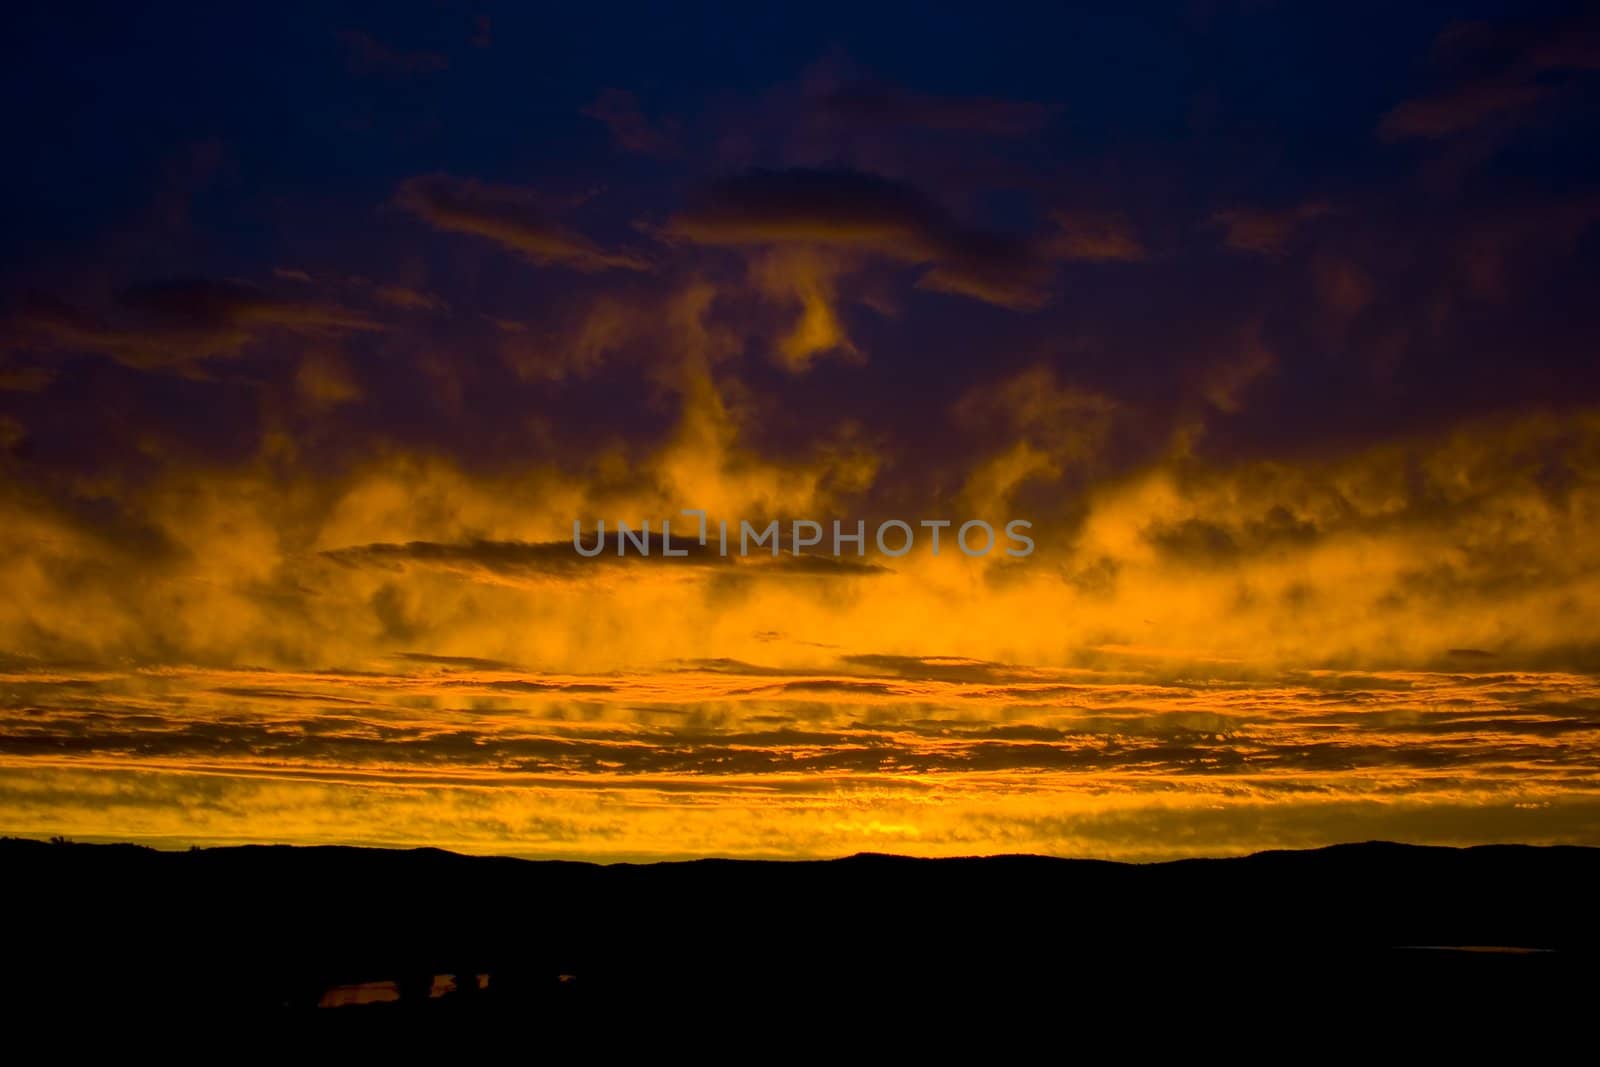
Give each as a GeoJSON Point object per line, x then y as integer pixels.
{"type": "Point", "coordinates": [274, 928]}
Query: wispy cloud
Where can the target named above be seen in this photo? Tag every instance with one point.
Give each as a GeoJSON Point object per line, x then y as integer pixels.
{"type": "Point", "coordinates": [514, 218]}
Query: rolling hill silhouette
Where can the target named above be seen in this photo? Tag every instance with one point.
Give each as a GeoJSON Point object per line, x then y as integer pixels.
{"type": "Point", "coordinates": [283, 929]}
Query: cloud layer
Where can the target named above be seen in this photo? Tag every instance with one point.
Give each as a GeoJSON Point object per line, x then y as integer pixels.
{"type": "Point", "coordinates": [302, 394]}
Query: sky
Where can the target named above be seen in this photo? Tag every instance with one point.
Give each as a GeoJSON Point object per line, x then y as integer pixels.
{"type": "Point", "coordinates": [322, 325]}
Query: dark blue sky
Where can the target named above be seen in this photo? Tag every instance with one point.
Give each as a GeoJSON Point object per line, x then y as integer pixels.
{"type": "Point", "coordinates": [1338, 223]}
{"type": "Point", "coordinates": [103, 97]}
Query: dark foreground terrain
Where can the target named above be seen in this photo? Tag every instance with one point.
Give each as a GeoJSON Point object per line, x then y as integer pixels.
{"type": "Point", "coordinates": [1377, 934]}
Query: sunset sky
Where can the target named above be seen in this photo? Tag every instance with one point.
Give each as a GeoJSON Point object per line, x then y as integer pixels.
{"type": "Point", "coordinates": [320, 326]}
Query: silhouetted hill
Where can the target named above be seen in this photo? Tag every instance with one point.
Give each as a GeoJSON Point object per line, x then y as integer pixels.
{"type": "Point", "coordinates": [273, 929]}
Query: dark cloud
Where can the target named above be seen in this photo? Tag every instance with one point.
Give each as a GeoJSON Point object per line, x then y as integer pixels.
{"type": "Point", "coordinates": [288, 696]}
{"type": "Point", "coordinates": [25, 379]}
{"type": "Point", "coordinates": [524, 685]}
{"type": "Point", "coordinates": [932, 668]}
{"type": "Point", "coordinates": [630, 129]}
{"type": "Point", "coordinates": [1194, 541]}
{"type": "Point", "coordinates": [1462, 108]}
{"type": "Point", "coordinates": [173, 322]}
{"type": "Point", "coordinates": [401, 296]}
{"type": "Point", "coordinates": [875, 105]}
{"type": "Point", "coordinates": [561, 560]}
{"type": "Point", "coordinates": [864, 212]}
{"type": "Point", "coordinates": [556, 559]}
{"type": "Point", "coordinates": [1094, 238]}
{"type": "Point", "coordinates": [514, 218]}
{"type": "Point", "coordinates": [842, 686]}
{"type": "Point", "coordinates": [1265, 232]}
{"type": "Point", "coordinates": [471, 663]}
{"type": "Point", "coordinates": [368, 55]}
{"type": "Point", "coordinates": [821, 566]}
{"type": "Point", "coordinates": [1497, 74]}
